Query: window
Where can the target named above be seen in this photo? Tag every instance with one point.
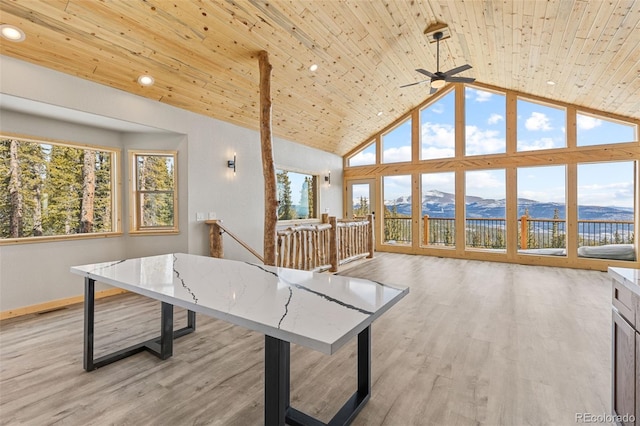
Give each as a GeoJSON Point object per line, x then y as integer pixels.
{"type": "Point", "coordinates": [438, 209]}
{"type": "Point", "coordinates": [485, 122]}
{"type": "Point", "coordinates": [438, 129]}
{"type": "Point", "coordinates": [396, 144]}
{"type": "Point", "coordinates": [397, 209]}
{"type": "Point", "coordinates": [542, 210]}
{"type": "Point", "coordinates": [485, 209]}
{"type": "Point", "coordinates": [365, 157]}
{"type": "Point", "coordinates": [540, 126]}
{"type": "Point", "coordinates": [606, 214]}
{"type": "Point", "coordinates": [594, 130]}
{"type": "Point", "coordinates": [51, 189]}
{"type": "Point", "coordinates": [297, 195]}
{"type": "Point", "coordinates": [154, 199]}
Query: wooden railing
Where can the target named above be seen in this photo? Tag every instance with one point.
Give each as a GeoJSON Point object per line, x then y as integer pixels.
{"type": "Point", "coordinates": [312, 247]}
{"type": "Point", "coordinates": [305, 247]}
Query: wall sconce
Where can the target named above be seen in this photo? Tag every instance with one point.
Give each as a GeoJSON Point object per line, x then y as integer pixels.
{"type": "Point", "coordinates": [232, 163]}
{"type": "Point", "coordinates": [327, 178]}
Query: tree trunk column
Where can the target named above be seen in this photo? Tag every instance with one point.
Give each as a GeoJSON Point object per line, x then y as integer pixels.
{"type": "Point", "coordinates": [268, 169]}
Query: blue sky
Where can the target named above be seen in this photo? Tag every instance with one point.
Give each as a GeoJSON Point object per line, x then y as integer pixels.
{"type": "Point", "coordinates": [539, 126]}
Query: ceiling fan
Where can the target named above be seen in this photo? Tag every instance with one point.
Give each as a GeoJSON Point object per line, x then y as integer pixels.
{"type": "Point", "coordinates": [438, 79]}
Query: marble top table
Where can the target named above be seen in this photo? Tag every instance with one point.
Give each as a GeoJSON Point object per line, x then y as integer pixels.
{"type": "Point", "coordinates": [319, 311]}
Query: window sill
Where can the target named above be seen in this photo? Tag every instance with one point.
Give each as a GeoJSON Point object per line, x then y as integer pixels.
{"type": "Point", "coordinates": [52, 238]}
{"type": "Point", "coordinates": [154, 232]}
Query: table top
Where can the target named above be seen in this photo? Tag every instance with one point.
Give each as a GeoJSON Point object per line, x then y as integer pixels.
{"type": "Point", "coordinates": [629, 277]}
{"type": "Point", "coordinates": [319, 311]}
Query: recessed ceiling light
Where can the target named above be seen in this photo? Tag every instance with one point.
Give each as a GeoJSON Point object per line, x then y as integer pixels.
{"type": "Point", "coordinates": [551, 83]}
{"type": "Point", "coordinates": [379, 113]}
{"type": "Point", "coordinates": [12, 33]}
{"type": "Point", "coordinates": [146, 80]}
{"type": "Point", "coordinates": [313, 68]}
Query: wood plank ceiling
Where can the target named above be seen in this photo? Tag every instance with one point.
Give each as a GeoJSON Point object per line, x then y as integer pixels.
{"type": "Point", "coordinates": [203, 54]}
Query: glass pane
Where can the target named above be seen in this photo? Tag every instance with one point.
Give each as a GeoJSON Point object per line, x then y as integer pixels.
{"type": "Point", "coordinates": [365, 157]}
{"type": "Point", "coordinates": [438, 209]}
{"type": "Point", "coordinates": [485, 209]}
{"type": "Point", "coordinates": [361, 202]}
{"type": "Point", "coordinates": [397, 209]}
{"type": "Point", "coordinates": [542, 210]}
{"type": "Point", "coordinates": [397, 144]}
{"type": "Point", "coordinates": [48, 189]}
{"type": "Point", "coordinates": [157, 210]}
{"type": "Point", "coordinates": [540, 126]}
{"type": "Point", "coordinates": [296, 195]}
{"type": "Point", "coordinates": [437, 129]}
{"type": "Point", "coordinates": [593, 130]}
{"type": "Point", "coordinates": [605, 210]}
{"type": "Point", "coordinates": [485, 126]}
{"type": "Point", "coordinates": [155, 172]}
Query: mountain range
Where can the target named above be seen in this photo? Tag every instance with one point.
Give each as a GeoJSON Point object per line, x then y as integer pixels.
{"type": "Point", "coordinates": [442, 204]}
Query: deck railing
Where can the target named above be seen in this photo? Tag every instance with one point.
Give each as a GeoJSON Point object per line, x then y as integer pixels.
{"type": "Point", "coordinates": [491, 232]}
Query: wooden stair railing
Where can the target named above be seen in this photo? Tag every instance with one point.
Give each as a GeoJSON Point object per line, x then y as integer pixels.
{"type": "Point", "coordinates": [311, 247]}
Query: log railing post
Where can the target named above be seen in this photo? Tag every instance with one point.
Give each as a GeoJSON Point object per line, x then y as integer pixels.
{"type": "Point", "coordinates": [216, 248]}
{"type": "Point", "coordinates": [370, 240]}
{"type": "Point", "coordinates": [334, 250]}
{"type": "Point", "coordinates": [325, 217]}
{"type": "Point", "coordinates": [524, 231]}
{"type": "Point", "coordinates": [426, 229]}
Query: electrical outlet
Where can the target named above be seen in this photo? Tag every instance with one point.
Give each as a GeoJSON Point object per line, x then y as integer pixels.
{"type": "Point", "coordinates": [199, 217]}
{"type": "Point", "coordinates": [212, 216]}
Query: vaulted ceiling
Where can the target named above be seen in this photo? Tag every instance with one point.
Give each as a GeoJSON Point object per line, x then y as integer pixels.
{"type": "Point", "coordinates": [203, 54]}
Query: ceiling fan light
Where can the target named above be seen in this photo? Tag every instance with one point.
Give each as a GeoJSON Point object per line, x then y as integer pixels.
{"type": "Point", "coordinates": [437, 84]}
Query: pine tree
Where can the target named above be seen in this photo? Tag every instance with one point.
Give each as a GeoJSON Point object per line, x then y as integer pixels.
{"type": "Point", "coordinates": [285, 207]}
{"type": "Point", "coordinates": [88, 191]}
{"type": "Point", "coordinates": [15, 191]}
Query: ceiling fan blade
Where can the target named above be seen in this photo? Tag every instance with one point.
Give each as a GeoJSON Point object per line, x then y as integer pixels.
{"type": "Point", "coordinates": [459, 79]}
{"type": "Point", "coordinates": [433, 90]}
{"type": "Point", "coordinates": [413, 84]}
{"type": "Point", "coordinates": [427, 73]}
{"type": "Point", "coordinates": [458, 69]}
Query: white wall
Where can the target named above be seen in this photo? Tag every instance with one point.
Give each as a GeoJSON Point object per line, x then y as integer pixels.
{"type": "Point", "coordinates": [36, 273]}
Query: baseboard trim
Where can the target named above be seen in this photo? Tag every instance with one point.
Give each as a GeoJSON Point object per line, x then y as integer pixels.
{"type": "Point", "coordinates": [56, 304]}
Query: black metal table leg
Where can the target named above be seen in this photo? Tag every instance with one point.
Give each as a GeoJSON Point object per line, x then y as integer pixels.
{"type": "Point", "coordinates": [277, 409]}
{"type": "Point", "coordinates": [89, 312]}
{"type": "Point", "coordinates": [161, 346]}
{"type": "Point", "coordinates": [276, 381]}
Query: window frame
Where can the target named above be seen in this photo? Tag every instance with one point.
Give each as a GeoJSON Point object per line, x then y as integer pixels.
{"type": "Point", "coordinates": [135, 209]}
{"type": "Point", "coordinates": [316, 201]}
{"type": "Point", "coordinates": [115, 186]}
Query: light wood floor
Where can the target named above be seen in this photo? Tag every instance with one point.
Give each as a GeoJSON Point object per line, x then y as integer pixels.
{"type": "Point", "coordinates": [474, 343]}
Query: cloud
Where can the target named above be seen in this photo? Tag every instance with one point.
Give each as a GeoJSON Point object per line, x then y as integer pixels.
{"type": "Point", "coordinates": [396, 155]}
{"type": "Point", "coordinates": [618, 194]}
{"type": "Point", "coordinates": [438, 140]}
{"type": "Point", "coordinates": [479, 95]}
{"type": "Point", "coordinates": [483, 141]}
{"type": "Point", "coordinates": [495, 118]}
{"type": "Point", "coordinates": [363, 158]}
{"type": "Point", "coordinates": [486, 184]}
{"type": "Point", "coordinates": [586, 122]}
{"type": "Point", "coordinates": [537, 144]}
{"type": "Point", "coordinates": [538, 121]}
{"type": "Point", "coordinates": [437, 108]}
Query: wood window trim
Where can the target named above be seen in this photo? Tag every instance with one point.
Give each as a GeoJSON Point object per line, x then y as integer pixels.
{"type": "Point", "coordinates": [115, 189]}
{"type": "Point", "coordinates": [134, 194]}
